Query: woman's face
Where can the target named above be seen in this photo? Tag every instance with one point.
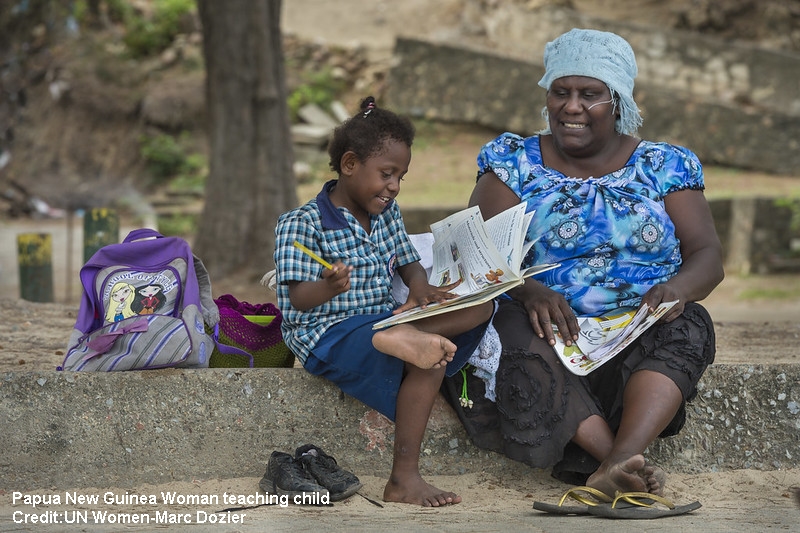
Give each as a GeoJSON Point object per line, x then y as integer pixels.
{"type": "Point", "coordinates": [582, 116]}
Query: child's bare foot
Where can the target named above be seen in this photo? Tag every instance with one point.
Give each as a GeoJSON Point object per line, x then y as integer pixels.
{"type": "Point", "coordinates": [417, 491]}
{"type": "Point", "coordinates": [421, 349]}
{"type": "Point", "coordinates": [624, 476]}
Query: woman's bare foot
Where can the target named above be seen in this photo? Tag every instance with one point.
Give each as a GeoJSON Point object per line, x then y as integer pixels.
{"type": "Point", "coordinates": [655, 478]}
{"type": "Point", "coordinates": [417, 491]}
{"type": "Point", "coordinates": [409, 344]}
{"type": "Point", "coordinates": [624, 476]}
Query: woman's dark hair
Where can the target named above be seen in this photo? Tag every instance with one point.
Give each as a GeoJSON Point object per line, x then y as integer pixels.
{"type": "Point", "coordinates": [364, 133]}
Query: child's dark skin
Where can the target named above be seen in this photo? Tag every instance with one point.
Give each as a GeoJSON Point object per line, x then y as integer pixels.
{"type": "Point", "coordinates": [365, 188]}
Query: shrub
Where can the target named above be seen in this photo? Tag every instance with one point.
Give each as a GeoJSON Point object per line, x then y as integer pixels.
{"type": "Point", "coordinates": [319, 88]}
{"type": "Point", "coordinates": [163, 155]}
{"type": "Point", "coordinates": [145, 37]}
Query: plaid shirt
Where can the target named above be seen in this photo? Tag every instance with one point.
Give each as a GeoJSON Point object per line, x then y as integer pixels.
{"type": "Point", "coordinates": [334, 234]}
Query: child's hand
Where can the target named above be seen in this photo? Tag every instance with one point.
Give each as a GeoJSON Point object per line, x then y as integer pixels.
{"type": "Point", "coordinates": [422, 294]}
{"type": "Point", "coordinates": [338, 277]}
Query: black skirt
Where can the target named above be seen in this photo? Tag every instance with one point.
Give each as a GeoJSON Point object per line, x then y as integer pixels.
{"type": "Point", "coordinates": [540, 403]}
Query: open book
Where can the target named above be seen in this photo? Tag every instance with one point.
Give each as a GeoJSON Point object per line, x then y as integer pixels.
{"type": "Point", "coordinates": [603, 337]}
{"type": "Point", "coordinates": [484, 257]}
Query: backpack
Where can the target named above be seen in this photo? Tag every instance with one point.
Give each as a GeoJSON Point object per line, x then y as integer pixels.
{"type": "Point", "coordinates": [145, 304]}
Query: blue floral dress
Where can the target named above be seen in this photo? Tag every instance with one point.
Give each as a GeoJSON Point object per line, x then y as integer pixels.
{"type": "Point", "coordinates": [611, 234]}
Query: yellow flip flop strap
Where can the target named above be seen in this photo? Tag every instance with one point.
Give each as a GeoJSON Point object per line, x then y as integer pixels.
{"type": "Point", "coordinates": [576, 494]}
{"type": "Point", "coordinates": [635, 498]}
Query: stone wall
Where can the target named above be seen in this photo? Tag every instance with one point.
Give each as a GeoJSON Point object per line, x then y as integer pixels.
{"type": "Point", "coordinates": [677, 61]}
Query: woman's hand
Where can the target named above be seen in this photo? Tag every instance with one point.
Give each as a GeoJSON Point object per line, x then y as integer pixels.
{"type": "Point", "coordinates": [664, 292]}
{"type": "Point", "coordinates": [546, 308]}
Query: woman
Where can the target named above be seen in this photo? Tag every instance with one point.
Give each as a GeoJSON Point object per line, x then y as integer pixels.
{"type": "Point", "coordinates": [628, 221]}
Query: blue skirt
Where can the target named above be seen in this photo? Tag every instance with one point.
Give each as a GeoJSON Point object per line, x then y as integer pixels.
{"type": "Point", "coordinates": [345, 356]}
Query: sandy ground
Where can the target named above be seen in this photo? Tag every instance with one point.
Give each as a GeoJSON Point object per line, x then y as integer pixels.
{"type": "Point", "coordinates": [732, 501]}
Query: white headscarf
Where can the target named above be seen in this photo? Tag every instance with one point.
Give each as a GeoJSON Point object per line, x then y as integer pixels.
{"type": "Point", "coordinates": [601, 55]}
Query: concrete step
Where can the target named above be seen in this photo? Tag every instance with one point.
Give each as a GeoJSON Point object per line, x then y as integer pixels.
{"type": "Point", "coordinates": [64, 429]}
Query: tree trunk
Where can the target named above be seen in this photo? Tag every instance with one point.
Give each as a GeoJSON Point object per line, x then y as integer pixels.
{"type": "Point", "coordinates": [250, 180]}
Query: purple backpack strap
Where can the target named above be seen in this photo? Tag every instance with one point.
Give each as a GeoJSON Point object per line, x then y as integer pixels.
{"type": "Point", "coordinates": [231, 350]}
{"type": "Point", "coordinates": [142, 233]}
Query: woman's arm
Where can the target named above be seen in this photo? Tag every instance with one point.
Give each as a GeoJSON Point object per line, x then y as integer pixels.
{"type": "Point", "coordinates": [545, 306]}
{"type": "Point", "coordinates": [492, 195]}
{"type": "Point", "coordinates": [701, 252]}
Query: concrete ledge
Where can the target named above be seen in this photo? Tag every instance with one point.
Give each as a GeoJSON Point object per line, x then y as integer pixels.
{"type": "Point", "coordinates": [64, 430]}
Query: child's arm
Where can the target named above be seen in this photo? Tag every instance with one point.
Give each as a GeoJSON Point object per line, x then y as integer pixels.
{"type": "Point", "coordinates": [305, 295]}
{"type": "Point", "coordinates": [420, 292]}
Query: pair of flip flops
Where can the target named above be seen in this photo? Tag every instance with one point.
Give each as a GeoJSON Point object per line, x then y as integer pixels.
{"type": "Point", "coordinates": [624, 505]}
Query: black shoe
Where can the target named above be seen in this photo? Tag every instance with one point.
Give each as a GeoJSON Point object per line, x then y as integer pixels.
{"type": "Point", "coordinates": [341, 483]}
{"type": "Point", "coordinates": [285, 475]}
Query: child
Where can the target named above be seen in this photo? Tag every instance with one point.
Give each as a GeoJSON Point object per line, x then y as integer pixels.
{"type": "Point", "coordinates": [328, 313]}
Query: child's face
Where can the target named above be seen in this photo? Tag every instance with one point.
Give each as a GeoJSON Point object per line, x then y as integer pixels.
{"type": "Point", "coordinates": [370, 186]}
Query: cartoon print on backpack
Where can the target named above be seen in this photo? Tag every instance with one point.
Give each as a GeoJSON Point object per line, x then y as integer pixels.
{"type": "Point", "coordinates": [149, 299]}
{"type": "Point", "coordinates": [118, 304]}
{"type": "Point", "coordinates": [130, 293]}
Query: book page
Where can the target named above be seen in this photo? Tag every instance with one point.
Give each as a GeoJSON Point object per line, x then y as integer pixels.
{"type": "Point", "coordinates": [601, 338]}
{"type": "Point", "coordinates": [597, 333]}
{"type": "Point", "coordinates": [507, 231]}
{"type": "Point", "coordinates": [463, 252]}
{"type": "Point", "coordinates": [458, 302]}
{"type": "Point", "coordinates": [434, 309]}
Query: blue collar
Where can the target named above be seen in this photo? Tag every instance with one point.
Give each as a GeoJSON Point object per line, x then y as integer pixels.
{"type": "Point", "coordinates": [331, 217]}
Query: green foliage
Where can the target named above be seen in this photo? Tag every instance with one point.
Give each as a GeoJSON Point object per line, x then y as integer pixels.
{"type": "Point", "coordinates": [167, 159]}
{"type": "Point", "coordinates": [177, 225]}
{"type": "Point", "coordinates": [119, 10]}
{"type": "Point", "coordinates": [793, 205]}
{"type": "Point", "coordinates": [319, 88]}
{"type": "Point", "coordinates": [145, 37]}
{"type": "Point", "coordinates": [192, 177]}
{"type": "Point", "coordinates": [783, 293]}
{"type": "Point", "coordinates": [164, 156]}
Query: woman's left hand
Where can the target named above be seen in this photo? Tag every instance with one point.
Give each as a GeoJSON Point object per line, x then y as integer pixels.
{"type": "Point", "coordinates": [663, 292]}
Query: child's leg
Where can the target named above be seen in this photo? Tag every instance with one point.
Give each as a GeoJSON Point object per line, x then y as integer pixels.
{"type": "Point", "coordinates": [424, 343]}
{"type": "Point", "coordinates": [415, 347]}
{"type": "Point", "coordinates": [414, 403]}
{"type": "Point", "coordinates": [457, 322]}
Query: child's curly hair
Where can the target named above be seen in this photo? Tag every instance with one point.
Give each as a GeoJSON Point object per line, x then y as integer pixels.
{"type": "Point", "coordinates": [365, 133]}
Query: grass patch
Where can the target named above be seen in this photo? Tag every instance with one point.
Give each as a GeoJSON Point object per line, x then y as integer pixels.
{"type": "Point", "coordinates": [726, 182]}
{"type": "Point", "coordinates": [789, 291]}
{"type": "Point", "coordinates": [177, 225]}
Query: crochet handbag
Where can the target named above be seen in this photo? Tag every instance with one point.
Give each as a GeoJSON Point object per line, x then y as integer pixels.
{"type": "Point", "coordinates": [254, 328]}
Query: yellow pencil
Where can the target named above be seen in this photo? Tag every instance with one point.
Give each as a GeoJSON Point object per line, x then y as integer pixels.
{"type": "Point", "coordinates": [313, 256]}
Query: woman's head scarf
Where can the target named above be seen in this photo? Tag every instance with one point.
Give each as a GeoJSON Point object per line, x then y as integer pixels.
{"type": "Point", "coordinates": [601, 55]}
